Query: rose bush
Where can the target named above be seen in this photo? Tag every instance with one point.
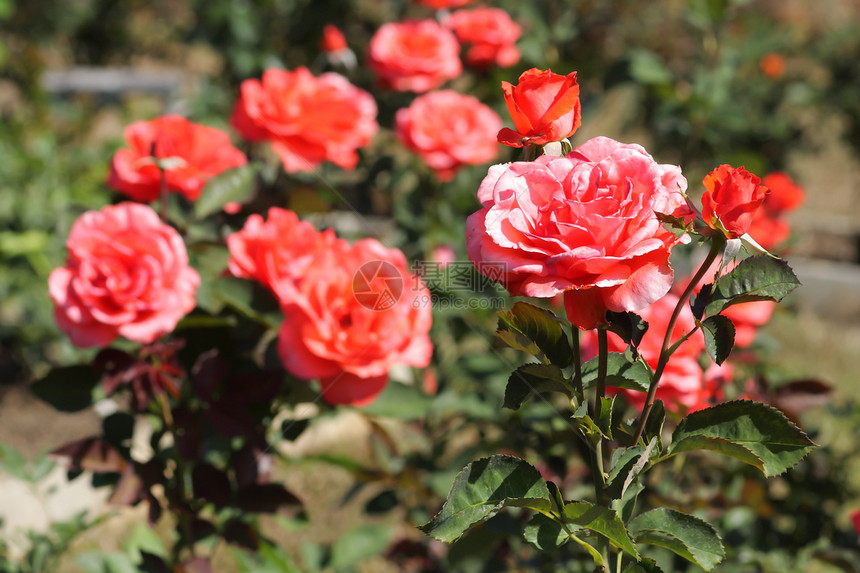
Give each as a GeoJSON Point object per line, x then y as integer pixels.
{"type": "Point", "coordinates": [585, 225]}
{"type": "Point", "coordinates": [333, 332]}
{"type": "Point", "coordinates": [732, 196]}
{"type": "Point", "coordinates": [544, 106]}
{"type": "Point", "coordinates": [448, 130]}
{"type": "Point", "coordinates": [683, 385]}
{"type": "Point", "coordinates": [127, 275]}
{"type": "Point", "coordinates": [416, 55]}
{"type": "Point", "coordinates": [491, 35]}
{"type": "Point", "coordinates": [188, 153]}
{"type": "Point", "coordinates": [306, 119]}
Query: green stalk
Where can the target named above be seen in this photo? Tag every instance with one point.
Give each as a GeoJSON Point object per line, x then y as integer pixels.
{"type": "Point", "coordinates": [667, 348]}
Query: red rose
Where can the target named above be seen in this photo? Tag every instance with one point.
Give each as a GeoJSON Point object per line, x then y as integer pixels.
{"type": "Point", "coordinates": [448, 130]}
{"type": "Point", "coordinates": [354, 315]}
{"type": "Point", "coordinates": [491, 33]}
{"type": "Point", "coordinates": [277, 250]}
{"type": "Point", "coordinates": [190, 154]}
{"type": "Point", "coordinates": [544, 106]}
{"type": "Point", "coordinates": [769, 227]}
{"type": "Point", "coordinates": [127, 275]}
{"type": "Point", "coordinates": [443, 4]}
{"type": "Point", "coordinates": [732, 196]}
{"type": "Point", "coordinates": [307, 119]}
{"type": "Point", "coordinates": [333, 39]}
{"type": "Point", "coordinates": [415, 56]}
{"type": "Point", "coordinates": [584, 225]}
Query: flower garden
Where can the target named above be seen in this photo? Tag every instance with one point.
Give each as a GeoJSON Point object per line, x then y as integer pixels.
{"type": "Point", "coordinates": [429, 285]}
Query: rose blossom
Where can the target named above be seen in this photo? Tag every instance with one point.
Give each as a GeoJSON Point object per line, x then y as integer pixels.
{"type": "Point", "coordinates": [277, 250]}
{"type": "Point", "coordinates": [127, 275]}
{"type": "Point", "coordinates": [769, 227]}
{"type": "Point", "coordinates": [191, 154]}
{"type": "Point", "coordinates": [448, 130]}
{"type": "Point", "coordinates": [354, 315]}
{"type": "Point", "coordinates": [491, 33]}
{"type": "Point", "coordinates": [415, 56]}
{"type": "Point", "coordinates": [307, 119]}
{"type": "Point", "coordinates": [544, 106]}
{"type": "Point", "coordinates": [443, 4]}
{"type": "Point", "coordinates": [585, 224]}
{"type": "Point", "coordinates": [732, 196]}
{"type": "Point", "coordinates": [683, 381]}
{"type": "Point", "coordinates": [333, 39]}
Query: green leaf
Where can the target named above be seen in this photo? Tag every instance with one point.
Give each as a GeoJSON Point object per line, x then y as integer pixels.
{"type": "Point", "coordinates": [602, 520]}
{"type": "Point", "coordinates": [539, 326]}
{"type": "Point", "coordinates": [545, 533]}
{"type": "Point", "coordinates": [760, 277]}
{"type": "Point", "coordinates": [719, 334]}
{"type": "Point", "coordinates": [628, 325]}
{"type": "Point", "coordinates": [484, 487]}
{"type": "Point", "coordinates": [68, 389]}
{"type": "Point", "coordinates": [358, 544]}
{"type": "Point", "coordinates": [647, 68]}
{"type": "Point", "coordinates": [603, 419]}
{"type": "Point", "coordinates": [620, 373]}
{"type": "Point", "coordinates": [690, 537]}
{"type": "Point", "coordinates": [235, 185]}
{"type": "Point", "coordinates": [535, 378]}
{"type": "Point", "coordinates": [751, 432]}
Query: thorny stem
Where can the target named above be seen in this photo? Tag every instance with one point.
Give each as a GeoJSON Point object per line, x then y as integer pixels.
{"type": "Point", "coordinates": [598, 467]}
{"type": "Point", "coordinates": [666, 351]}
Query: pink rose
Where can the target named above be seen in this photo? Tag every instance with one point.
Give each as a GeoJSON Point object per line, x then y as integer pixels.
{"type": "Point", "coordinates": [448, 130]}
{"type": "Point", "coordinates": [683, 381]}
{"type": "Point", "coordinates": [191, 153]}
{"type": "Point", "coordinates": [127, 275]}
{"type": "Point", "coordinates": [307, 119]}
{"type": "Point", "coordinates": [732, 196]}
{"type": "Point", "coordinates": [277, 250]}
{"type": "Point", "coordinates": [491, 34]}
{"type": "Point", "coordinates": [585, 225]}
{"type": "Point", "coordinates": [353, 316]}
{"type": "Point", "coordinates": [415, 56]}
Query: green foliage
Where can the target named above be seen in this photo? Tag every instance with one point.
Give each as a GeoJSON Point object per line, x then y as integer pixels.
{"type": "Point", "coordinates": [751, 432]}
{"type": "Point", "coordinates": [537, 331]}
{"type": "Point", "coordinates": [760, 277]}
{"type": "Point", "coordinates": [533, 378]}
{"type": "Point", "coordinates": [688, 536]}
{"type": "Point", "coordinates": [484, 487]}
{"type": "Point", "coordinates": [237, 185]}
{"type": "Point", "coordinates": [620, 373]}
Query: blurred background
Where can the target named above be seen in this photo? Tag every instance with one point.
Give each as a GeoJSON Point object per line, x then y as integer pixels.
{"type": "Point", "coordinates": [773, 85]}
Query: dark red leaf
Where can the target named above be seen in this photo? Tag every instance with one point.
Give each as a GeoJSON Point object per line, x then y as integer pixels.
{"type": "Point", "coordinates": [266, 498]}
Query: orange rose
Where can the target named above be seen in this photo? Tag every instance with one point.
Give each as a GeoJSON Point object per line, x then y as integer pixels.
{"type": "Point", "coordinates": [355, 314]}
{"type": "Point", "coordinates": [277, 250]}
{"type": "Point", "coordinates": [415, 56]}
{"type": "Point", "coordinates": [732, 196]}
{"type": "Point", "coordinates": [448, 130]}
{"type": "Point", "coordinates": [190, 154]}
{"type": "Point", "coordinates": [307, 119]}
{"type": "Point", "coordinates": [544, 106]}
